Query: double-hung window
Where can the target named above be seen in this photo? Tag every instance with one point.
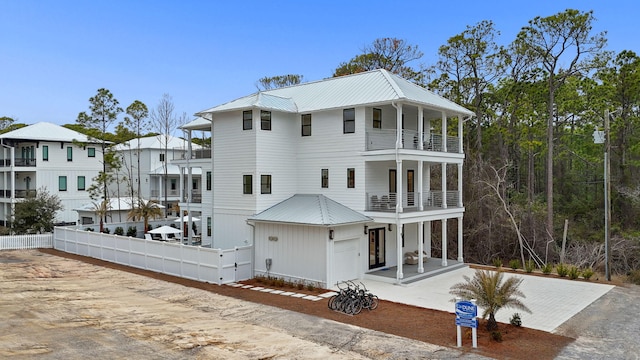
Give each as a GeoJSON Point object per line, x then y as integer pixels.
{"type": "Point", "coordinates": [351, 178]}
{"type": "Point", "coordinates": [247, 184]}
{"type": "Point", "coordinates": [265, 120]}
{"type": "Point", "coordinates": [45, 153]}
{"type": "Point", "coordinates": [377, 118]}
{"type": "Point", "coordinates": [208, 180]}
{"type": "Point", "coordinates": [81, 183]}
{"type": "Point", "coordinates": [62, 183]}
{"type": "Point", "coordinates": [306, 124]}
{"type": "Point", "coordinates": [69, 153]}
{"type": "Point", "coordinates": [247, 120]}
{"type": "Point", "coordinates": [349, 121]}
{"type": "Point", "coordinates": [265, 184]}
{"type": "Point", "coordinates": [324, 178]}
{"type": "Point", "coordinates": [91, 152]}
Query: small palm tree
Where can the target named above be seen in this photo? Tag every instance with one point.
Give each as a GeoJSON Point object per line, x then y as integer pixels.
{"type": "Point", "coordinates": [492, 294]}
{"type": "Point", "coordinates": [101, 209]}
{"type": "Point", "coordinates": [146, 209]}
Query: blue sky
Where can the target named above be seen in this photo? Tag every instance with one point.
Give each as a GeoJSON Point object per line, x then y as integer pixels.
{"type": "Point", "coordinates": [54, 55]}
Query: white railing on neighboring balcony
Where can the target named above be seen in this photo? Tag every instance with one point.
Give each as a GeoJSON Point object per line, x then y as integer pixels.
{"type": "Point", "coordinates": [33, 241]}
{"type": "Point", "coordinates": [386, 202]}
{"type": "Point", "coordinates": [435, 198]}
{"type": "Point", "coordinates": [384, 139]}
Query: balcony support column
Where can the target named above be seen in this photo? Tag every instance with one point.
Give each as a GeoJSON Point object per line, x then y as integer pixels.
{"type": "Point", "coordinates": [399, 273]}
{"type": "Point", "coordinates": [420, 246]}
{"type": "Point", "coordinates": [460, 185]}
{"type": "Point", "coordinates": [460, 244]}
{"type": "Point", "coordinates": [420, 185]}
{"type": "Point", "coordinates": [444, 242]}
{"type": "Point", "coordinates": [420, 128]}
{"type": "Point", "coordinates": [444, 131]}
{"type": "Point", "coordinates": [460, 121]}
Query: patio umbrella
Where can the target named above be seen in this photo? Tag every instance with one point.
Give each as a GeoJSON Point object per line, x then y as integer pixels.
{"type": "Point", "coordinates": [186, 219]}
{"type": "Point", "coordinates": [164, 231]}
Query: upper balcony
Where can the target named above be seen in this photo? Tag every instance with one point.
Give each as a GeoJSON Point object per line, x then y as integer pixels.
{"type": "Point", "coordinates": [22, 162]}
{"type": "Point", "coordinates": [385, 139]}
{"type": "Point", "coordinates": [431, 200]}
{"type": "Point", "coordinates": [181, 153]}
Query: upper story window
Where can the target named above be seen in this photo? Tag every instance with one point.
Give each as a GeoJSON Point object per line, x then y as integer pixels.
{"type": "Point", "coordinates": [265, 184]}
{"type": "Point", "coordinates": [247, 120]}
{"type": "Point", "coordinates": [69, 153]}
{"type": "Point", "coordinates": [81, 183]}
{"type": "Point", "coordinates": [351, 178]}
{"type": "Point", "coordinates": [349, 121]}
{"type": "Point", "coordinates": [208, 180]}
{"type": "Point", "coordinates": [62, 183]}
{"type": "Point", "coordinates": [324, 178]}
{"type": "Point", "coordinates": [91, 152]}
{"type": "Point", "coordinates": [162, 157]}
{"type": "Point", "coordinates": [247, 184]}
{"type": "Point", "coordinates": [306, 125]}
{"type": "Point", "coordinates": [265, 120]}
{"type": "Point", "coordinates": [377, 118]}
{"type": "Point", "coordinates": [45, 153]}
{"type": "Point", "coordinates": [208, 225]}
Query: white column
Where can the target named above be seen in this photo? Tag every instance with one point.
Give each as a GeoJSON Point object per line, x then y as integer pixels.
{"type": "Point", "coordinates": [399, 187]}
{"type": "Point", "coordinates": [460, 121]}
{"type": "Point", "coordinates": [460, 247]}
{"type": "Point", "coordinates": [399, 274]}
{"type": "Point", "coordinates": [427, 185]}
{"type": "Point", "coordinates": [420, 185]}
{"type": "Point", "coordinates": [444, 242]}
{"type": "Point", "coordinates": [444, 132]}
{"type": "Point", "coordinates": [420, 128]}
{"type": "Point", "coordinates": [399, 126]}
{"type": "Point", "coordinates": [443, 181]}
{"type": "Point", "coordinates": [420, 246]}
{"type": "Point", "coordinates": [459, 185]}
{"type": "Point", "coordinates": [427, 239]}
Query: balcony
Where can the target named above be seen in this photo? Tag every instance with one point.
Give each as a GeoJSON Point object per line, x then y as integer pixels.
{"type": "Point", "coordinates": [432, 200]}
{"type": "Point", "coordinates": [18, 162]}
{"type": "Point", "coordinates": [181, 154]}
{"type": "Point", "coordinates": [385, 139]}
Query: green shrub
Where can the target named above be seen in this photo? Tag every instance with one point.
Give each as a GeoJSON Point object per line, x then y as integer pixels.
{"type": "Point", "coordinates": [634, 277]}
{"type": "Point", "coordinates": [497, 262]}
{"type": "Point", "coordinates": [529, 266]}
{"type": "Point", "coordinates": [119, 231]}
{"type": "Point", "coordinates": [514, 264]}
{"type": "Point", "coordinates": [106, 231]}
{"type": "Point", "coordinates": [132, 231]}
{"type": "Point", "coordinates": [547, 268]}
{"type": "Point", "coordinates": [587, 273]}
{"type": "Point", "coordinates": [574, 272]}
{"type": "Point", "coordinates": [89, 229]}
{"type": "Point", "coordinates": [496, 336]}
{"type": "Point", "coordinates": [562, 270]}
{"type": "Point", "coordinates": [516, 320]}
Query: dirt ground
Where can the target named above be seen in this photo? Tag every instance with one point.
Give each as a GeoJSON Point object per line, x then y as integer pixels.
{"type": "Point", "coordinates": [61, 306]}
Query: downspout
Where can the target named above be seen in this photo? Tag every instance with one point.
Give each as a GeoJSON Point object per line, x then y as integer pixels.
{"type": "Point", "coordinates": [399, 255]}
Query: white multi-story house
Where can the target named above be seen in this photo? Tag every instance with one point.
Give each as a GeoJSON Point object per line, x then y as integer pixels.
{"type": "Point", "coordinates": [339, 178]}
{"type": "Point", "coordinates": [153, 163]}
{"type": "Point", "coordinates": [47, 156]}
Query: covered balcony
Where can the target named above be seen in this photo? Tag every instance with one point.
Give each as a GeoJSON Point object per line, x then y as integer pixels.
{"type": "Point", "coordinates": [385, 139]}
{"type": "Point", "coordinates": [431, 200]}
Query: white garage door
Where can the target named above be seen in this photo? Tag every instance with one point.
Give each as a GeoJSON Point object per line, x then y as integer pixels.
{"type": "Point", "coordinates": [345, 260]}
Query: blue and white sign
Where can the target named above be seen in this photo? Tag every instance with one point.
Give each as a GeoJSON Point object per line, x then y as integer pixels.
{"type": "Point", "coordinates": [466, 310]}
{"type": "Point", "coordinates": [471, 323]}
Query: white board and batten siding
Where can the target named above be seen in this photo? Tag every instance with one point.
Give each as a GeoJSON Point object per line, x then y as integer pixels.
{"type": "Point", "coordinates": [345, 252]}
{"type": "Point", "coordinates": [296, 251]}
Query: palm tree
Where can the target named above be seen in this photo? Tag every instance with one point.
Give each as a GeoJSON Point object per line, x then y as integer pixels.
{"type": "Point", "coordinates": [101, 209]}
{"type": "Point", "coordinates": [146, 209]}
{"type": "Point", "coordinates": [491, 293]}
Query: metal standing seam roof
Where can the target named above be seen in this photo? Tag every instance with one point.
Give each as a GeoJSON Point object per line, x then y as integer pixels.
{"type": "Point", "coordinates": [310, 209]}
{"type": "Point", "coordinates": [46, 131]}
{"type": "Point", "coordinates": [372, 87]}
{"type": "Point", "coordinates": [122, 204]}
{"type": "Point", "coordinates": [155, 142]}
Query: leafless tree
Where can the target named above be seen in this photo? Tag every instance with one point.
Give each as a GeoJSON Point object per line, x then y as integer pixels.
{"type": "Point", "coordinates": [164, 122]}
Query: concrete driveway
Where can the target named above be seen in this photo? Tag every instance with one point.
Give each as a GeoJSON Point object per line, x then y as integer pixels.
{"type": "Point", "coordinates": [552, 301]}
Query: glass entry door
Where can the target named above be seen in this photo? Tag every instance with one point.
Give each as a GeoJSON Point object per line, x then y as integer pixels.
{"type": "Point", "coordinates": [376, 248]}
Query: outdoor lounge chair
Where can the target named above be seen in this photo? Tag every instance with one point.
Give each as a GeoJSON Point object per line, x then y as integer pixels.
{"type": "Point", "coordinates": [411, 258]}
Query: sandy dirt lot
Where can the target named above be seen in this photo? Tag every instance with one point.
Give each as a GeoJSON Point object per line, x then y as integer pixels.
{"type": "Point", "coordinates": [57, 308]}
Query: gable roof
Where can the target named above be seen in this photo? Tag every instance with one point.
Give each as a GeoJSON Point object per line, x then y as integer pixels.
{"type": "Point", "coordinates": [155, 142]}
{"type": "Point", "coordinates": [46, 131]}
{"type": "Point", "coordinates": [371, 87]}
{"type": "Point", "coordinates": [122, 204]}
{"type": "Point", "coordinates": [310, 209]}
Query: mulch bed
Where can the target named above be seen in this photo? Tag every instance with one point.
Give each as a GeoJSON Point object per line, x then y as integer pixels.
{"type": "Point", "coordinates": [427, 325]}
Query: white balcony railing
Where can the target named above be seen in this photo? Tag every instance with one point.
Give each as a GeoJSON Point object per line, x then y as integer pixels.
{"type": "Point", "coordinates": [384, 139]}
{"type": "Point", "coordinates": [386, 202]}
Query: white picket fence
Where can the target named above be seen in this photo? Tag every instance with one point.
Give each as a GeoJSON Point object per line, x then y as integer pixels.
{"type": "Point", "coordinates": [34, 241]}
{"type": "Point", "coordinates": [191, 262]}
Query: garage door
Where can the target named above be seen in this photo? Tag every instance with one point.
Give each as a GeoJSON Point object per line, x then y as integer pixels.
{"type": "Point", "coordinates": [345, 260]}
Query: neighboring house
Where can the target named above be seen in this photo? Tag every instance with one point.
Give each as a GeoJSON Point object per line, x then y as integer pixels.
{"type": "Point", "coordinates": [153, 164]}
{"type": "Point", "coordinates": [291, 167]}
{"type": "Point", "coordinates": [117, 212]}
{"type": "Point", "coordinates": [46, 155]}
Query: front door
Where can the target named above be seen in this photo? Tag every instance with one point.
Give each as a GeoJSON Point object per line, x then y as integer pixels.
{"type": "Point", "coordinates": [376, 248]}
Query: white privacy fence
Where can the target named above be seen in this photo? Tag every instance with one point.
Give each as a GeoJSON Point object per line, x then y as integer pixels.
{"type": "Point", "coordinates": [34, 241]}
{"type": "Point", "coordinates": [191, 262]}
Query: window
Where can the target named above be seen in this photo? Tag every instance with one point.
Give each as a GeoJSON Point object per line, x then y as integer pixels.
{"type": "Point", "coordinates": [377, 118]}
{"type": "Point", "coordinates": [45, 153]}
{"type": "Point", "coordinates": [325, 178]}
{"type": "Point", "coordinates": [247, 120]}
{"type": "Point", "coordinates": [351, 178]}
{"type": "Point", "coordinates": [247, 184]}
{"type": "Point", "coordinates": [265, 120]}
{"type": "Point", "coordinates": [69, 153]}
{"type": "Point", "coordinates": [306, 125]}
{"type": "Point", "coordinates": [194, 184]}
{"type": "Point", "coordinates": [265, 184]}
{"type": "Point", "coordinates": [81, 183]}
{"type": "Point", "coordinates": [91, 152]}
{"type": "Point", "coordinates": [349, 121]}
{"type": "Point", "coordinates": [208, 180]}
{"type": "Point", "coordinates": [162, 157]}
{"type": "Point", "coordinates": [62, 183]}
{"type": "Point", "coordinates": [174, 184]}
{"type": "Point", "coordinates": [208, 225]}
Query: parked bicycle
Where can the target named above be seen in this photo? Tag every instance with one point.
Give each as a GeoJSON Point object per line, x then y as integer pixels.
{"type": "Point", "coordinates": [352, 298]}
